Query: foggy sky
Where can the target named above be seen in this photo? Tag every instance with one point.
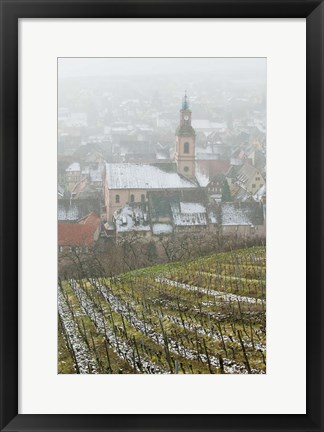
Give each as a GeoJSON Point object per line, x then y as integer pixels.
{"type": "Point", "coordinates": [254, 68]}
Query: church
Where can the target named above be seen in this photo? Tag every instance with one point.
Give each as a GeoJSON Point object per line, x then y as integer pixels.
{"type": "Point", "coordinates": [131, 183]}
{"type": "Point", "coordinates": [154, 199]}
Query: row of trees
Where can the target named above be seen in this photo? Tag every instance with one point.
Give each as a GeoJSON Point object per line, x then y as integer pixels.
{"type": "Point", "coordinates": [133, 251]}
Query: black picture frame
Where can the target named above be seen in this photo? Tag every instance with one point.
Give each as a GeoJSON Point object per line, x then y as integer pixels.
{"type": "Point", "coordinates": [11, 11]}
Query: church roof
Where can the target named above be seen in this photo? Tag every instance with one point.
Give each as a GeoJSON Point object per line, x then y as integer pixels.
{"type": "Point", "coordinates": [144, 176]}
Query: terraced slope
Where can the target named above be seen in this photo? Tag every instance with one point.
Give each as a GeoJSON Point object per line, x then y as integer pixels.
{"type": "Point", "coordinates": [202, 316]}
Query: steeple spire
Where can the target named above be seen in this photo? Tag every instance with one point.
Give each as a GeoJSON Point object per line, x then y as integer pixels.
{"type": "Point", "coordinates": [185, 102]}
{"type": "Point", "coordinates": [185, 142]}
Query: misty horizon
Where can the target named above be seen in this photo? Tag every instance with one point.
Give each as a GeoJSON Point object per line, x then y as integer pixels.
{"type": "Point", "coordinates": [235, 68]}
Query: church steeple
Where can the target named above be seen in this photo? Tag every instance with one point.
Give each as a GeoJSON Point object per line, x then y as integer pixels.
{"type": "Point", "coordinates": [185, 102]}
{"type": "Point", "coordinates": [185, 142]}
{"type": "Point", "coordinates": [185, 118]}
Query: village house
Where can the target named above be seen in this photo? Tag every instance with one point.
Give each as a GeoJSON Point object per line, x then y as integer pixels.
{"type": "Point", "coordinates": [245, 219]}
{"type": "Point", "coordinates": [178, 211]}
{"type": "Point", "coordinates": [218, 187]}
{"type": "Point", "coordinates": [81, 236]}
{"type": "Point", "coordinates": [249, 178]}
{"type": "Point", "coordinates": [72, 175]}
{"type": "Point", "coordinates": [245, 177]}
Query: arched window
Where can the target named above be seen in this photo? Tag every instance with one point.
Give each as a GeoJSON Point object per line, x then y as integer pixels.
{"type": "Point", "coordinates": [142, 197]}
{"type": "Point", "coordinates": [186, 147]}
{"type": "Point", "coordinates": [117, 199]}
{"type": "Point", "coordinates": [132, 198]}
{"type": "Point", "coordinates": [186, 169]}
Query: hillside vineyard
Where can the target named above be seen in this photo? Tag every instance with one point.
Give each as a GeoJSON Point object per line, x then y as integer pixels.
{"type": "Point", "coordinates": [192, 317]}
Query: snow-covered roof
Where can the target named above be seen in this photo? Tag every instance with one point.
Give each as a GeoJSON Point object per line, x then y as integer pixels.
{"type": "Point", "coordinates": [218, 125]}
{"type": "Point", "coordinates": [74, 209]}
{"type": "Point", "coordinates": [75, 166]}
{"type": "Point", "coordinates": [260, 193]}
{"type": "Point", "coordinates": [239, 193]}
{"type": "Point", "coordinates": [249, 213]}
{"type": "Point", "coordinates": [202, 178]}
{"type": "Point", "coordinates": [132, 219]}
{"type": "Point", "coordinates": [77, 120]}
{"type": "Point", "coordinates": [204, 150]}
{"type": "Point", "coordinates": [207, 124]}
{"type": "Point", "coordinates": [191, 208]}
{"type": "Point", "coordinates": [246, 173]}
{"type": "Point", "coordinates": [160, 155]}
{"type": "Point", "coordinates": [162, 228]}
{"type": "Point", "coordinates": [144, 127]}
{"type": "Point", "coordinates": [143, 176]}
{"type": "Point", "coordinates": [60, 190]}
{"type": "Point", "coordinates": [187, 214]}
{"type": "Point", "coordinates": [95, 174]}
{"type": "Point", "coordinates": [118, 129]}
{"type": "Point", "coordinates": [200, 124]}
{"type": "Point", "coordinates": [233, 216]}
{"type": "Point", "coordinates": [216, 197]}
{"type": "Point", "coordinates": [71, 213]}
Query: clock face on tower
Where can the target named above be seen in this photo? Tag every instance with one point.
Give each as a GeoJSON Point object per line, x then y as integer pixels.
{"type": "Point", "coordinates": [186, 117]}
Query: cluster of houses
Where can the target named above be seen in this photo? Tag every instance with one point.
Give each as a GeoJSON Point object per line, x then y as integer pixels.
{"type": "Point", "coordinates": [186, 190]}
{"type": "Point", "coordinates": [166, 213]}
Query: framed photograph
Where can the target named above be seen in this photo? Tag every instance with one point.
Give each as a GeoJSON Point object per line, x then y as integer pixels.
{"type": "Point", "coordinates": [163, 165]}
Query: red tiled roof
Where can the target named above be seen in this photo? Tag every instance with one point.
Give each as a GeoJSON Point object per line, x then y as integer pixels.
{"type": "Point", "coordinates": [79, 234]}
{"type": "Point", "coordinates": [213, 167]}
{"type": "Point", "coordinates": [91, 219]}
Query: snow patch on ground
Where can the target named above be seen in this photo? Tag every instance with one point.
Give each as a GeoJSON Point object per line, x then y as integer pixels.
{"type": "Point", "coordinates": [220, 294]}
